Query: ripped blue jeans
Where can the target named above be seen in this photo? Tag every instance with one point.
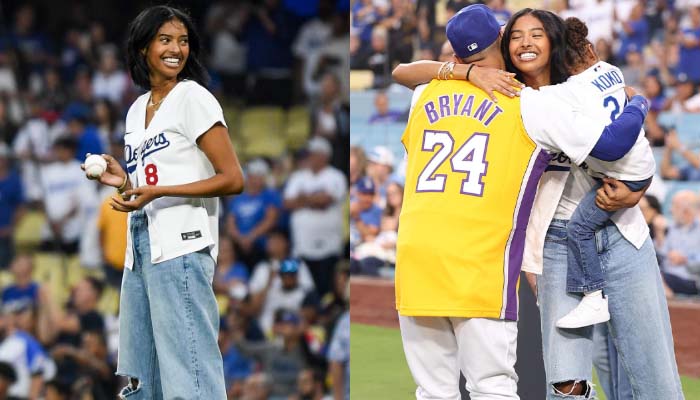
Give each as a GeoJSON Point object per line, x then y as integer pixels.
{"type": "Point", "coordinates": [168, 325]}
{"type": "Point", "coordinates": [639, 326]}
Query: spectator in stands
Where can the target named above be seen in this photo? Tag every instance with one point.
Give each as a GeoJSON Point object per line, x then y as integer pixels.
{"type": "Point", "coordinates": [310, 386]}
{"type": "Point", "coordinates": [357, 164]}
{"type": "Point", "coordinates": [687, 172]}
{"type": "Point", "coordinates": [685, 89]}
{"type": "Point", "coordinates": [690, 46]}
{"type": "Point", "coordinates": [654, 91]}
{"type": "Point", "coordinates": [24, 352]}
{"type": "Point", "coordinates": [499, 10]}
{"type": "Point", "coordinates": [635, 31]}
{"type": "Point", "coordinates": [34, 146]}
{"type": "Point", "coordinates": [333, 58]}
{"type": "Point", "coordinates": [651, 208]}
{"type": "Point", "coordinates": [401, 23]}
{"type": "Point", "coordinates": [23, 289]}
{"type": "Point", "coordinates": [339, 358]}
{"type": "Point", "coordinates": [377, 58]}
{"type": "Point", "coordinates": [8, 376]}
{"type": "Point", "coordinates": [60, 325]}
{"type": "Point", "coordinates": [231, 276]}
{"type": "Point", "coordinates": [365, 216]}
{"type": "Point", "coordinates": [64, 190]}
{"type": "Point", "coordinates": [31, 44]}
{"type": "Point", "coordinates": [364, 16]}
{"type": "Point", "coordinates": [253, 214]}
{"type": "Point", "coordinates": [383, 114]}
{"type": "Point", "coordinates": [86, 135]}
{"type": "Point", "coordinates": [330, 119]}
{"type": "Point", "coordinates": [680, 251]}
{"type": "Point", "coordinates": [379, 167]}
{"type": "Point", "coordinates": [266, 272]}
{"type": "Point", "coordinates": [236, 367]}
{"type": "Point", "coordinates": [283, 357]}
{"type": "Point", "coordinates": [112, 230]}
{"type": "Point", "coordinates": [284, 292]}
{"type": "Point", "coordinates": [333, 305]}
{"type": "Point", "coordinates": [109, 81]}
{"type": "Point", "coordinates": [53, 94]}
{"type": "Point", "coordinates": [603, 49]}
{"type": "Point", "coordinates": [257, 387]}
{"type": "Point", "coordinates": [11, 205]}
{"type": "Point", "coordinates": [109, 126]}
{"type": "Point", "coordinates": [312, 36]}
{"type": "Point", "coordinates": [94, 369]}
{"type": "Point", "coordinates": [269, 29]}
{"type": "Point", "coordinates": [315, 197]}
{"type": "Point", "coordinates": [634, 69]}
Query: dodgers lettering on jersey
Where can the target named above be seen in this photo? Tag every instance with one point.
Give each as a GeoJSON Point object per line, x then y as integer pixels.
{"type": "Point", "coordinates": [471, 177]}
{"type": "Point", "coordinates": [150, 146]}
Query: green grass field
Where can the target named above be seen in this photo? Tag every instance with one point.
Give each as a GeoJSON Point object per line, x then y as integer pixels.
{"type": "Point", "coordinates": [378, 368]}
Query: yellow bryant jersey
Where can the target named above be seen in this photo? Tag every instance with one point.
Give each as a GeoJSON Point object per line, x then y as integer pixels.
{"type": "Point", "coordinates": [471, 179]}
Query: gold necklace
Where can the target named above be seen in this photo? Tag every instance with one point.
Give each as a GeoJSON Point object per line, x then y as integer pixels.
{"type": "Point", "coordinates": [152, 104]}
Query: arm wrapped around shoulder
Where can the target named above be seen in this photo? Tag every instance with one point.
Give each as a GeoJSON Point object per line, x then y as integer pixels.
{"type": "Point", "coordinates": [619, 137]}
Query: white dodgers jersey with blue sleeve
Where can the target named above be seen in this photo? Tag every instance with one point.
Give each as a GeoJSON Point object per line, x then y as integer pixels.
{"type": "Point", "coordinates": [600, 93]}
{"type": "Point", "coordinates": [166, 153]}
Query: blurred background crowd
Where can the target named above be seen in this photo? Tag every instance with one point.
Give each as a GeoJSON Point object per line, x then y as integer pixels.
{"type": "Point", "coordinates": [656, 43]}
{"type": "Point", "coordinates": [279, 69]}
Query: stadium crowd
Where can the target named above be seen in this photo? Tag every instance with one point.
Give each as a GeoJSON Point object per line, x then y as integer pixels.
{"type": "Point", "coordinates": [282, 274]}
{"type": "Point", "coordinates": [657, 46]}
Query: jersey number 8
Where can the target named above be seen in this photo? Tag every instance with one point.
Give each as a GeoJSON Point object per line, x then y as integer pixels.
{"type": "Point", "coordinates": [151, 174]}
{"type": "Point", "coordinates": [470, 158]}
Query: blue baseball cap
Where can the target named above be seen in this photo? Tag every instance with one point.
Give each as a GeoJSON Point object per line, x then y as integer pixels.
{"type": "Point", "coordinates": [289, 266]}
{"type": "Point", "coordinates": [472, 29]}
{"type": "Point", "coordinates": [365, 185]}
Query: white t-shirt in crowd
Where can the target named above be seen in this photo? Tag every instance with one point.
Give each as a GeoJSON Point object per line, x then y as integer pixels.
{"type": "Point", "coordinates": [317, 233]}
{"type": "Point", "coordinates": [166, 153]}
{"type": "Point", "coordinates": [64, 187]}
{"type": "Point", "coordinates": [261, 275]}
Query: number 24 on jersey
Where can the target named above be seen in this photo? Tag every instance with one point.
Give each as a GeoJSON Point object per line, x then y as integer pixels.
{"type": "Point", "coordinates": [470, 158]}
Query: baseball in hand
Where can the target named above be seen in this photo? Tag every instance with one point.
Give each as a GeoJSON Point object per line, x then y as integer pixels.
{"type": "Point", "coordinates": [95, 165]}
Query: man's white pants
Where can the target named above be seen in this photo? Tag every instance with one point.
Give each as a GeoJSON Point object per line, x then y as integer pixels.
{"type": "Point", "coordinates": [437, 348]}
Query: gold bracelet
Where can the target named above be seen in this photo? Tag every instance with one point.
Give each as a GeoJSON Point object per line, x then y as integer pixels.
{"type": "Point", "coordinates": [440, 71]}
{"type": "Point", "coordinates": [123, 186]}
{"type": "Point", "coordinates": [450, 74]}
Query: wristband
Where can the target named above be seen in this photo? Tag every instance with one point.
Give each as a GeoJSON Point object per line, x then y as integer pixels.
{"type": "Point", "coordinates": [469, 71]}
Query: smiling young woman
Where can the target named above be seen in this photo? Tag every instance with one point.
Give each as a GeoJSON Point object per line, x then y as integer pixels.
{"type": "Point", "coordinates": [179, 158]}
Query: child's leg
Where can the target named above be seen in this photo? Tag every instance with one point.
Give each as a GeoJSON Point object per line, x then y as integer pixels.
{"type": "Point", "coordinates": [584, 273]}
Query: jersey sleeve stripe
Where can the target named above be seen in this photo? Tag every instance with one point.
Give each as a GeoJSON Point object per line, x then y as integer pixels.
{"type": "Point", "coordinates": [516, 242]}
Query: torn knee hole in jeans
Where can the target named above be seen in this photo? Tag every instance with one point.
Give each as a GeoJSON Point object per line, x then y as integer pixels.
{"type": "Point", "coordinates": [132, 387]}
{"type": "Point", "coordinates": [573, 388]}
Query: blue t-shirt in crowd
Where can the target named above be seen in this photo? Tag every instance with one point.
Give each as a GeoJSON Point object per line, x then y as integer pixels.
{"type": "Point", "coordinates": [11, 197]}
{"type": "Point", "coordinates": [237, 271]}
{"type": "Point", "coordinates": [249, 209]}
{"type": "Point", "coordinates": [89, 142]}
{"type": "Point", "coordinates": [236, 366]}
{"type": "Point", "coordinates": [689, 62]}
{"type": "Point", "coordinates": [14, 293]}
{"type": "Point", "coordinates": [371, 216]}
{"type": "Point", "coordinates": [636, 40]}
{"type": "Point", "coordinates": [389, 117]}
{"type": "Point", "coordinates": [363, 24]}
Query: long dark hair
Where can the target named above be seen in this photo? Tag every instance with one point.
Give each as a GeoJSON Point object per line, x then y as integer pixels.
{"type": "Point", "coordinates": [555, 30]}
{"type": "Point", "coordinates": [143, 29]}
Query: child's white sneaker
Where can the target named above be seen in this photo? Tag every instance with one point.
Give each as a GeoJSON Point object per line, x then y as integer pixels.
{"type": "Point", "coordinates": [592, 309]}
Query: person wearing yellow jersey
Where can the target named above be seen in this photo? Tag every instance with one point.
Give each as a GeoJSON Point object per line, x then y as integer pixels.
{"type": "Point", "coordinates": [112, 228]}
{"type": "Point", "coordinates": [472, 171]}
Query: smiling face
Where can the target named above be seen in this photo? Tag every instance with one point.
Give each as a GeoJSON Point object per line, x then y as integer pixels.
{"type": "Point", "coordinates": [167, 53]}
{"type": "Point", "coordinates": [530, 49]}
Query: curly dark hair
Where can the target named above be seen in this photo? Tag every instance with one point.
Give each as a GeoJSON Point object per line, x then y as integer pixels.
{"type": "Point", "coordinates": [555, 30]}
{"type": "Point", "coordinates": [576, 42]}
